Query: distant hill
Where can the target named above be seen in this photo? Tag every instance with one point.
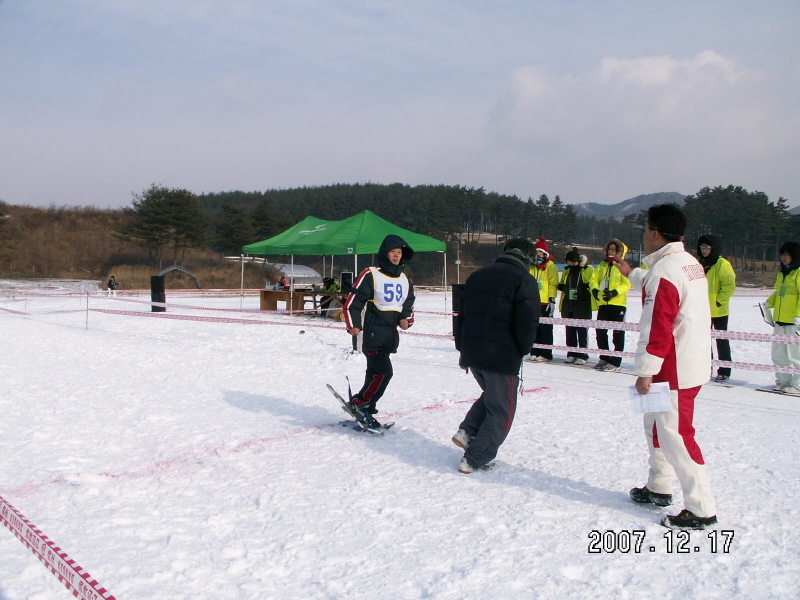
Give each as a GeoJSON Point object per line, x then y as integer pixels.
{"type": "Point", "coordinates": [795, 210]}
{"type": "Point", "coordinates": [632, 205]}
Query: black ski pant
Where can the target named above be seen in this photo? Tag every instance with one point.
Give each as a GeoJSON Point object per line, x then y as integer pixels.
{"type": "Point", "coordinates": [577, 337]}
{"type": "Point", "coordinates": [379, 374]}
{"type": "Point", "coordinates": [611, 312]}
{"type": "Point", "coordinates": [544, 335]}
{"type": "Point", "coordinates": [489, 419]}
{"type": "Point", "coordinates": [723, 346]}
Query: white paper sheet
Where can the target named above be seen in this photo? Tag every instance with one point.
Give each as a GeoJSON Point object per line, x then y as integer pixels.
{"type": "Point", "coordinates": [766, 312]}
{"type": "Point", "coordinates": [657, 400]}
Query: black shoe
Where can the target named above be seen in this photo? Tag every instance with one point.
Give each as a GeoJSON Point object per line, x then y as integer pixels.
{"type": "Point", "coordinates": [688, 520]}
{"type": "Point", "coordinates": [721, 378]}
{"type": "Point", "coordinates": [645, 496]}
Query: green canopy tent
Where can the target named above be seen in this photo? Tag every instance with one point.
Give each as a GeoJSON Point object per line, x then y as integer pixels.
{"type": "Point", "coordinates": [359, 234]}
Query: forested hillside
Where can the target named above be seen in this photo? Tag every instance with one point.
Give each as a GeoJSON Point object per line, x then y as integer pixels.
{"type": "Point", "coordinates": [165, 226]}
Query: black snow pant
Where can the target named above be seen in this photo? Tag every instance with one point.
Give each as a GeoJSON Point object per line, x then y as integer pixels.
{"type": "Point", "coordinates": [577, 337]}
{"type": "Point", "coordinates": [489, 419]}
{"type": "Point", "coordinates": [379, 374]}
{"type": "Point", "coordinates": [544, 335]}
{"type": "Point", "coordinates": [611, 312]}
{"type": "Point", "coordinates": [723, 346]}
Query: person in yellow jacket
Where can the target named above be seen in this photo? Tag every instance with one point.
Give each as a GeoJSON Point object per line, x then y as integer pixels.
{"type": "Point", "coordinates": [610, 291]}
{"type": "Point", "coordinates": [545, 272]}
{"type": "Point", "coordinates": [577, 302]}
{"type": "Point", "coordinates": [721, 286]}
{"type": "Point", "coordinates": [785, 305]}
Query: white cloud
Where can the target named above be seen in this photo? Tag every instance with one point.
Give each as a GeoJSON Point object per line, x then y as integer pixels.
{"type": "Point", "coordinates": [650, 121]}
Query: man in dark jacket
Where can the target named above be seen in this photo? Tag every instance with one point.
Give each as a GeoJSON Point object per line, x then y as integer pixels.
{"type": "Point", "coordinates": [495, 328]}
{"type": "Point", "coordinates": [382, 300]}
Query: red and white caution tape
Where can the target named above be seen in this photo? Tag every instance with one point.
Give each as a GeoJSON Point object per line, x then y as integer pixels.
{"type": "Point", "coordinates": [79, 582]}
{"type": "Point", "coordinates": [587, 323]}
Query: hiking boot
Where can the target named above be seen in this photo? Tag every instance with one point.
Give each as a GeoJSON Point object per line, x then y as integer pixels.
{"type": "Point", "coordinates": [580, 361]}
{"type": "Point", "coordinates": [778, 387]}
{"type": "Point", "coordinates": [600, 364]}
{"type": "Point", "coordinates": [541, 359]}
{"type": "Point", "coordinates": [609, 368]}
{"type": "Point", "coordinates": [570, 359]}
{"type": "Point", "coordinates": [688, 520]}
{"type": "Point", "coordinates": [360, 406]}
{"type": "Point", "coordinates": [792, 390]}
{"type": "Point", "coordinates": [466, 468]}
{"type": "Point", "coordinates": [461, 439]}
{"type": "Point", "coordinates": [721, 378]}
{"type": "Point", "coordinates": [645, 496]}
{"type": "Point", "coordinates": [371, 422]}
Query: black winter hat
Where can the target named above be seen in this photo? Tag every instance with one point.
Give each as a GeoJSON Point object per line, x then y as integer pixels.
{"type": "Point", "coordinates": [522, 248]}
{"type": "Point", "coordinates": [792, 249]}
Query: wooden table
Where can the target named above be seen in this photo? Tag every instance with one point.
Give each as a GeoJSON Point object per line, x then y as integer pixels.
{"type": "Point", "coordinates": [297, 301]}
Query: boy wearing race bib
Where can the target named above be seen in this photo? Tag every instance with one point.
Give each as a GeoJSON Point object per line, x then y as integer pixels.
{"type": "Point", "coordinates": [381, 301]}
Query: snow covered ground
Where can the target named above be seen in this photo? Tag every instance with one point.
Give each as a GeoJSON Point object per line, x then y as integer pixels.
{"type": "Point", "coordinates": [196, 459]}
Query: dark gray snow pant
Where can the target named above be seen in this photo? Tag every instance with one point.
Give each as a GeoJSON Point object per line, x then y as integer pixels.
{"type": "Point", "coordinates": [489, 420]}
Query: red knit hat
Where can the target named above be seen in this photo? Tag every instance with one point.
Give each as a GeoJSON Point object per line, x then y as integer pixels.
{"type": "Point", "coordinates": [542, 245]}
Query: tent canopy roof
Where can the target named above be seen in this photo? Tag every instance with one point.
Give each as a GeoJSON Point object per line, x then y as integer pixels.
{"type": "Point", "coordinates": [360, 234]}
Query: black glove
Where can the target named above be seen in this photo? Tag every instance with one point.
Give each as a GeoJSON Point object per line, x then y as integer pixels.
{"type": "Point", "coordinates": [561, 287]}
{"type": "Point", "coordinates": [596, 294]}
{"type": "Point", "coordinates": [719, 305]}
{"type": "Point", "coordinates": [609, 294]}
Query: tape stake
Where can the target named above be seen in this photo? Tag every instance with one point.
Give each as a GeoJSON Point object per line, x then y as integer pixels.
{"type": "Point", "coordinates": [75, 579]}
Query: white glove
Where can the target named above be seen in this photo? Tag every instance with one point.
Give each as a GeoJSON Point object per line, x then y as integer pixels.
{"type": "Point", "coordinates": [551, 308]}
{"type": "Point", "coordinates": [797, 321]}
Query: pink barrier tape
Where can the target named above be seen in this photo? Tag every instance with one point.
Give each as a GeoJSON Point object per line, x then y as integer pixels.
{"type": "Point", "coordinates": [193, 458]}
{"type": "Point", "coordinates": [585, 350]}
{"type": "Point", "coordinates": [79, 582]}
{"type": "Point", "coordinates": [132, 313]}
{"type": "Point", "coordinates": [50, 312]}
{"type": "Point", "coordinates": [14, 312]}
{"type": "Point", "coordinates": [715, 333]}
{"type": "Point", "coordinates": [714, 363]}
{"type": "Point", "coordinates": [760, 337]}
{"type": "Point", "coordinates": [233, 310]}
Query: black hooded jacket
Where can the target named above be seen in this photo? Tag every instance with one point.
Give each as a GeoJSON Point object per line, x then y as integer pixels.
{"type": "Point", "coordinates": [497, 317]}
{"type": "Point", "coordinates": [380, 326]}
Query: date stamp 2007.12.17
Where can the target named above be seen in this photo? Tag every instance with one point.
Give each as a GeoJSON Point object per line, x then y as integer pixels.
{"type": "Point", "coordinates": [672, 542]}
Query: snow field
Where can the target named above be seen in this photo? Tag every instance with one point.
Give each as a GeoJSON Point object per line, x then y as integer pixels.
{"type": "Point", "coordinates": [176, 459]}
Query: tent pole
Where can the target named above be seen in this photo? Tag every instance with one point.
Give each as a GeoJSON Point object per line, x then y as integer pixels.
{"type": "Point", "coordinates": [445, 281]}
{"type": "Point", "coordinates": [241, 288]}
{"type": "Point", "coordinates": [291, 288]}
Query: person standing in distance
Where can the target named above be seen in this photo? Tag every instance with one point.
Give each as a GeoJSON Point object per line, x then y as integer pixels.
{"type": "Point", "coordinates": [721, 286]}
{"type": "Point", "coordinates": [112, 287]}
{"type": "Point", "coordinates": [545, 272]}
{"type": "Point", "coordinates": [610, 291]}
{"type": "Point", "coordinates": [494, 329]}
{"type": "Point", "coordinates": [785, 305]}
{"type": "Point", "coordinates": [382, 300]}
{"type": "Point", "coordinates": [674, 347]}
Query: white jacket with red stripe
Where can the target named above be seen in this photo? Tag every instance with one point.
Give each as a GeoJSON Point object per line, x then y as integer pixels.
{"type": "Point", "coordinates": [675, 328]}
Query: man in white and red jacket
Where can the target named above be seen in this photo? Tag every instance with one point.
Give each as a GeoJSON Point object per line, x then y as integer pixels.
{"type": "Point", "coordinates": [674, 347]}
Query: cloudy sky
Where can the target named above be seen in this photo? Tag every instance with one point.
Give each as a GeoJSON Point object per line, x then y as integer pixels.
{"type": "Point", "coordinates": [592, 100]}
